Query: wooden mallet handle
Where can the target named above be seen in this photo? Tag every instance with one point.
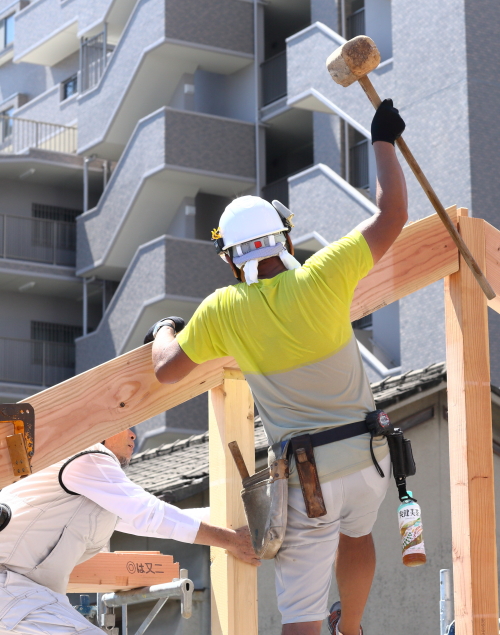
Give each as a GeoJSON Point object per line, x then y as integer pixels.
{"type": "Point", "coordinates": [238, 459]}
{"type": "Point", "coordinates": [372, 95]}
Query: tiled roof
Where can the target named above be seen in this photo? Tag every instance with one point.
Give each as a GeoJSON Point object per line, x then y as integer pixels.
{"type": "Point", "coordinates": [178, 470]}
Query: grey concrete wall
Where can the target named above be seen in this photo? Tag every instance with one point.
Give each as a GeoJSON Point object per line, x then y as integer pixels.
{"type": "Point", "coordinates": [151, 22]}
{"type": "Point", "coordinates": [422, 324]}
{"type": "Point", "coordinates": [47, 105]}
{"type": "Point", "coordinates": [225, 24]}
{"type": "Point", "coordinates": [327, 144]}
{"type": "Point", "coordinates": [321, 205]}
{"type": "Point", "coordinates": [154, 272]}
{"type": "Point", "coordinates": [482, 20]}
{"type": "Point", "coordinates": [16, 197]}
{"type": "Point", "coordinates": [204, 142]}
{"type": "Point", "coordinates": [96, 107]}
{"type": "Point", "coordinates": [144, 153]}
{"type": "Point", "coordinates": [225, 95]}
{"type": "Point", "coordinates": [17, 310]}
{"type": "Point", "coordinates": [327, 12]}
{"type": "Point", "coordinates": [28, 79]}
{"type": "Point", "coordinates": [44, 17]}
{"type": "Point", "coordinates": [168, 137]}
{"type": "Point", "coordinates": [144, 280]}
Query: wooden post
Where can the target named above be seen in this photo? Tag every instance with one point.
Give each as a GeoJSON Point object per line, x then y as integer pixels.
{"type": "Point", "coordinates": [234, 583]}
{"type": "Point", "coordinates": [470, 444]}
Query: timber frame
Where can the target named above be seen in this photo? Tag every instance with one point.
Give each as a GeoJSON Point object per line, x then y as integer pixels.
{"type": "Point", "coordinates": [124, 392]}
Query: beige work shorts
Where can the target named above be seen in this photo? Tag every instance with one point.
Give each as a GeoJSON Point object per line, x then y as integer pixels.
{"type": "Point", "coordinates": [304, 564]}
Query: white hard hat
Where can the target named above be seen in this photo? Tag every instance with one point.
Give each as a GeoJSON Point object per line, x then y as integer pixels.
{"type": "Point", "coordinates": [247, 218]}
{"type": "Point", "coordinates": [253, 229]}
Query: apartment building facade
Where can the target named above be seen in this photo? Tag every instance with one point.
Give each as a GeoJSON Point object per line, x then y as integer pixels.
{"type": "Point", "coordinates": [127, 125]}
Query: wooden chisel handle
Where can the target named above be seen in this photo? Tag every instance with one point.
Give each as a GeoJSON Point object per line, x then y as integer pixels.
{"type": "Point", "coordinates": [372, 95]}
{"type": "Point", "coordinates": [238, 459]}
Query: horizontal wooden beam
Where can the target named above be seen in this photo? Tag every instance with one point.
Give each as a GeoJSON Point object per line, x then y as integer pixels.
{"type": "Point", "coordinates": [124, 392]}
{"type": "Point", "coordinates": [492, 241]}
{"type": "Point", "coordinates": [122, 571]}
{"type": "Point", "coordinates": [423, 253]}
{"type": "Point", "coordinates": [103, 401]}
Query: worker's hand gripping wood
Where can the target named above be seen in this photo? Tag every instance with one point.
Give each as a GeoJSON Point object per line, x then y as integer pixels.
{"type": "Point", "coordinates": [352, 62]}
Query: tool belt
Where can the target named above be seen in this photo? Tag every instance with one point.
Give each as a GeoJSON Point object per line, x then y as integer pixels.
{"type": "Point", "coordinates": [265, 494]}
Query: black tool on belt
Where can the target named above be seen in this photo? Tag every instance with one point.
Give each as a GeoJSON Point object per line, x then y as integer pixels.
{"type": "Point", "coordinates": [376, 423]}
{"type": "Point", "coordinates": [403, 463]}
{"type": "Point", "coordinates": [5, 515]}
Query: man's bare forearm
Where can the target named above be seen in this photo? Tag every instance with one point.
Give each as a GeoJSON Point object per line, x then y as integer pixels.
{"type": "Point", "coordinates": [384, 227]}
{"type": "Point", "coordinates": [392, 197]}
{"type": "Point", "coordinates": [237, 542]}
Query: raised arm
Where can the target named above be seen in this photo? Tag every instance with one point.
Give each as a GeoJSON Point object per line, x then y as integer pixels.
{"type": "Point", "coordinates": [384, 227]}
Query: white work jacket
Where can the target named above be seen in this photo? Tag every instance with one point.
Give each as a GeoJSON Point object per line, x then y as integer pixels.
{"type": "Point", "coordinates": [66, 513]}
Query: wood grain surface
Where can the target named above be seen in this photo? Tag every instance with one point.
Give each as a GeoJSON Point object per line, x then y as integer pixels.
{"type": "Point", "coordinates": [121, 571]}
{"type": "Point", "coordinates": [105, 400]}
{"type": "Point", "coordinates": [470, 441]}
{"type": "Point", "coordinates": [492, 240]}
{"type": "Point", "coordinates": [422, 254]}
{"type": "Point", "coordinates": [234, 583]}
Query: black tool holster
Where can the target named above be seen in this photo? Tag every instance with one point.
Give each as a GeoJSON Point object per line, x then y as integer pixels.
{"type": "Point", "coordinates": [403, 463]}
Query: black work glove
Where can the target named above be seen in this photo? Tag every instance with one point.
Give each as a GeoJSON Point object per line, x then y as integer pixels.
{"type": "Point", "coordinates": [387, 124]}
{"type": "Point", "coordinates": [178, 323]}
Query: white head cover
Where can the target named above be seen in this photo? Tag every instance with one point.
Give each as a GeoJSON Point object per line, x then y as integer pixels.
{"type": "Point", "coordinates": [254, 230]}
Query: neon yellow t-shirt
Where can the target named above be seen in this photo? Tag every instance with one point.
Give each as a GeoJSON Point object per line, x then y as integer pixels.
{"type": "Point", "coordinates": [292, 338]}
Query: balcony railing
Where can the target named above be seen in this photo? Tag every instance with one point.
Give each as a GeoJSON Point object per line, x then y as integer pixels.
{"type": "Point", "coordinates": [38, 240]}
{"type": "Point", "coordinates": [18, 135]}
{"type": "Point", "coordinates": [273, 72]}
{"type": "Point", "coordinates": [94, 57]}
{"type": "Point", "coordinates": [356, 24]}
{"type": "Point", "coordinates": [35, 362]}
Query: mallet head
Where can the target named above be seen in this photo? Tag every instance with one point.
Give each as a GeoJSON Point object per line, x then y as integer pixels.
{"type": "Point", "coordinates": [353, 60]}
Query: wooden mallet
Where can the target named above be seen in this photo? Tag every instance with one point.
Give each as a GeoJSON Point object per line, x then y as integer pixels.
{"type": "Point", "coordinates": [351, 63]}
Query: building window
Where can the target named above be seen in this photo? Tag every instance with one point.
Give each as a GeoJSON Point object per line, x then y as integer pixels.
{"type": "Point", "coordinates": [354, 18]}
{"type": "Point", "coordinates": [53, 212]}
{"type": "Point", "coordinates": [8, 30]}
{"type": "Point", "coordinates": [44, 234]}
{"type": "Point", "coordinates": [69, 87]}
{"type": "Point", "coordinates": [358, 159]}
{"type": "Point", "coordinates": [54, 344]}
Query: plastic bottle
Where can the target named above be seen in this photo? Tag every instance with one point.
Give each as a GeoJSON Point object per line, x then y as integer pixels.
{"type": "Point", "coordinates": [412, 538]}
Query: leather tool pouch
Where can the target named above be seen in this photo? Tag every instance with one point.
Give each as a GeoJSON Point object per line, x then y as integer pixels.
{"type": "Point", "coordinates": [265, 499]}
{"type": "Point", "coordinates": [309, 482]}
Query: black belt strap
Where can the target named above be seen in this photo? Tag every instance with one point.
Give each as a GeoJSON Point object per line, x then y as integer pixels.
{"type": "Point", "coordinates": [344, 432]}
{"type": "Point", "coordinates": [339, 434]}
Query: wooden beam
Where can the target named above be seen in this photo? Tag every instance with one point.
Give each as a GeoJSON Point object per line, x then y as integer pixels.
{"type": "Point", "coordinates": [122, 571]}
{"type": "Point", "coordinates": [103, 401]}
{"type": "Point", "coordinates": [234, 583]}
{"type": "Point", "coordinates": [492, 239]}
{"type": "Point", "coordinates": [123, 392]}
{"type": "Point", "coordinates": [470, 442]}
{"type": "Point", "coordinates": [422, 254]}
